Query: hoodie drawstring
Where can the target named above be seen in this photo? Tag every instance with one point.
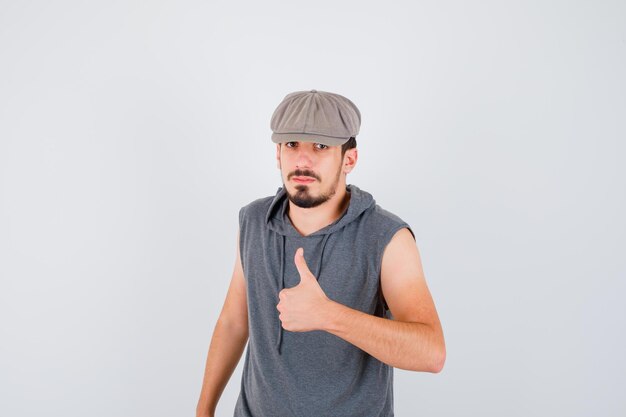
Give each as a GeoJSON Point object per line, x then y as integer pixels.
{"type": "Point", "coordinates": [281, 286]}
{"type": "Point", "coordinates": [282, 281]}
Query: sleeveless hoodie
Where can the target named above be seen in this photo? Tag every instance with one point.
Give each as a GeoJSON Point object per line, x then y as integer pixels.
{"type": "Point", "coordinates": [315, 373]}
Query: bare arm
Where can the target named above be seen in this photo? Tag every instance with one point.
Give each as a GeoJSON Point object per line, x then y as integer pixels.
{"type": "Point", "coordinates": [227, 344]}
{"type": "Point", "coordinates": [413, 340]}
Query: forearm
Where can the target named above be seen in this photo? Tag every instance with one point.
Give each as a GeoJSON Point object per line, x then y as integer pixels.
{"type": "Point", "coordinates": [226, 348]}
{"type": "Point", "coordinates": [404, 345]}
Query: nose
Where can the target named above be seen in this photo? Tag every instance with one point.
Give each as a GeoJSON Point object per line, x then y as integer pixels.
{"type": "Point", "coordinates": [304, 157]}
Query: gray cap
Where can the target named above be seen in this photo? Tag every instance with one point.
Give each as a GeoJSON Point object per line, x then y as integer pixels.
{"type": "Point", "coordinates": [315, 116]}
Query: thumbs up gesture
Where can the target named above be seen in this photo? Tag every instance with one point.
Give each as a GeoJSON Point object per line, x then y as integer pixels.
{"type": "Point", "coordinates": [302, 308]}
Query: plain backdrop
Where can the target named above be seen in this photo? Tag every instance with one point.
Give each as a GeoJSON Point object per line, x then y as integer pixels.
{"type": "Point", "coordinates": [131, 133]}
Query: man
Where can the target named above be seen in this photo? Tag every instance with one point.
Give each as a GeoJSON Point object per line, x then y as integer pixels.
{"type": "Point", "coordinates": [319, 267]}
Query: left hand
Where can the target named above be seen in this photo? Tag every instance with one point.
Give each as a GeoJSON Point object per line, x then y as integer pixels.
{"type": "Point", "coordinates": [303, 307]}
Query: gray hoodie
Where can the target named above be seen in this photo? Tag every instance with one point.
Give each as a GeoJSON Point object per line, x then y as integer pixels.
{"type": "Point", "coordinates": [301, 374]}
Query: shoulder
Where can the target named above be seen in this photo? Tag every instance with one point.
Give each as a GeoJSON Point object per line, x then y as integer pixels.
{"type": "Point", "coordinates": [255, 208]}
{"type": "Point", "coordinates": [258, 204]}
{"type": "Point", "coordinates": [386, 223]}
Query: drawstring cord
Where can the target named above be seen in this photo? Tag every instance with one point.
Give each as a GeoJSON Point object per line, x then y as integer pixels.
{"type": "Point", "coordinates": [282, 281]}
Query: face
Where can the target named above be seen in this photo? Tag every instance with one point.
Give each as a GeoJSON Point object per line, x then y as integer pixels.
{"type": "Point", "coordinates": [311, 172]}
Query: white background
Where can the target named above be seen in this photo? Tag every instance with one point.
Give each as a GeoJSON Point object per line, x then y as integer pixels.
{"type": "Point", "coordinates": [131, 132]}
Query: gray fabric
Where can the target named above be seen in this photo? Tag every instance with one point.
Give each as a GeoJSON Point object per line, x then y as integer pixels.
{"type": "Point", "coordinates": [301, 374]}
{"type": "Point", "coordinates": [315, 116]}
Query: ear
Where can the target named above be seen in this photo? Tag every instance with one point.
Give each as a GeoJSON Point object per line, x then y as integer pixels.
{"type": "Point", "coordinates": [349, 160]}
{"type": "Point", "coordinates": [278, 155]}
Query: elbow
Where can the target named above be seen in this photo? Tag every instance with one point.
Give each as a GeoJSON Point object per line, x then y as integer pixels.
{"type": "Point", "coordinates": [439, 361]}
{"type": "Point", "coordinates": [439, 356]}
{"type": "Point", "coordinates": [432, 365]}
{"type": "Point", "coordinates": [436, 359]}
{"type": "Point", "coordinates": [438, 364]}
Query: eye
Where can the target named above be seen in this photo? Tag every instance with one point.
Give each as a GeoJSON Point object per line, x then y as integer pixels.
{"type": "Point", "coordinates": [319, 146]}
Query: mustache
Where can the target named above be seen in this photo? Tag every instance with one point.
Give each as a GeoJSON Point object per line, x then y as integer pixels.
{"type": "Point", "coordinates": [303, 173]}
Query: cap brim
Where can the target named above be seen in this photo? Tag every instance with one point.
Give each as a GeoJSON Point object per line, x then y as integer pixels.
{"type": "Point", "coordinates": [307, 137]}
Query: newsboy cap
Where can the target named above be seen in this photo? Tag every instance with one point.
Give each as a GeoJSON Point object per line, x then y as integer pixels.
{"type": "Point", "coordinates": [315, 116]}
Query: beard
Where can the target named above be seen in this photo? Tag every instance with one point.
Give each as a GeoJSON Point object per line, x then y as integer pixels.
{"type": "Point", "coordinates": [303, 197]}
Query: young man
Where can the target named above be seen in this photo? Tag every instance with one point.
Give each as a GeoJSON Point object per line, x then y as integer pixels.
{"type": "Point", "coordinates": [327, 286]}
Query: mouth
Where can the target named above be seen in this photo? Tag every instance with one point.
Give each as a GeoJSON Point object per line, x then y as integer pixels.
{"type": "Point", "coordinates": [303, 180]}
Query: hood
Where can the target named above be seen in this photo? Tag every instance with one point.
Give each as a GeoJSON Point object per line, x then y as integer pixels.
{"type": "Point", "coordinates": [277, 220]}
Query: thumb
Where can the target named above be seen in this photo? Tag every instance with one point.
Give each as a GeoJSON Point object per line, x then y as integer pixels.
{"type": "Point", "coordinates": [303, 268]}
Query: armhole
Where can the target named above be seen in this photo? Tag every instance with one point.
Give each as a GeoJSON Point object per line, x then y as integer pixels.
{"type": "Point", "coordinates": [383, 245]}
{"type": "Point", "coordinates": [241, 237]}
